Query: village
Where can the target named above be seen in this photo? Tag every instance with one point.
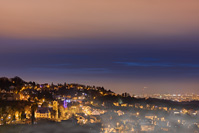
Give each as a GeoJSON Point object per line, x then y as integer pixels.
{"type": "Point", "coordinates": [30, 103]}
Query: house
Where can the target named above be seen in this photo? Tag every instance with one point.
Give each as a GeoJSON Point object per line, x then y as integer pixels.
{"type": "Point", "coordinates": [95, 112]}
{"type": "Point", "coordinates": [9, 96]}
{"type": "Point", "coordinates": [146, 125]}
{"type": "Point", "coordinates": [119, 112]}
{"type": "Point", "coordinates": [43, 112]}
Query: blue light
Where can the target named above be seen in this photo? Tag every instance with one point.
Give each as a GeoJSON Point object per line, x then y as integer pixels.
{"type": "Point", "coordinates": [66, 103]}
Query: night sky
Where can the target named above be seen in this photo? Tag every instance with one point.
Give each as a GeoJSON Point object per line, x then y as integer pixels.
{"type": "Point", "coordinates": [121, 45]}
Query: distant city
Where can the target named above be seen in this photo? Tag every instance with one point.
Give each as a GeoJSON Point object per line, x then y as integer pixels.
{"type": "Point", "coordinates": [172, 97]}
{"type": "Point", "coordinates": [30, 107]}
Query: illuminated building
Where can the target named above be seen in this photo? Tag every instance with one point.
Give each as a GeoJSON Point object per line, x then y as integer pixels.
{"type": "Point", "coordinates": [43, 113]}
{"type": "Point", "coordinates": [66, 103]}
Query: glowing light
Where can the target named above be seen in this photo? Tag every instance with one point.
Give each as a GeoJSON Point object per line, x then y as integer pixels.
{"type": "Point", "coordinates": [66, 103]}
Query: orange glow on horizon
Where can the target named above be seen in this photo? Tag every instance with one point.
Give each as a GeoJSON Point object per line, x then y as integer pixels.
{"type": "Point", "coordinates": [88, 18]}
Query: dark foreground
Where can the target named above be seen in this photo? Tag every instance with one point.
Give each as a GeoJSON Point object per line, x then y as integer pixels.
{"type": "Point", "coordinates": [63, 127]}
